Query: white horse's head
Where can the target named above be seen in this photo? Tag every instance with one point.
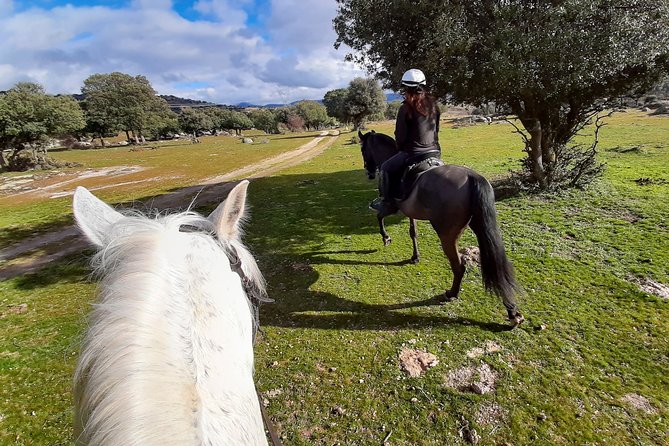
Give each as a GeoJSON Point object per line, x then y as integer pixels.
{"type": "Point", "coordinates": [168, 356]}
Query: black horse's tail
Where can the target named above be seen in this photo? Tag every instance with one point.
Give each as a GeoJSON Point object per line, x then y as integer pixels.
{"type": "Point", "coordinates": [497, 271]}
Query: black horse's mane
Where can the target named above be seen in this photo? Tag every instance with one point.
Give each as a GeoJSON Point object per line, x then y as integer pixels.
{"type": "Point", "coordinates": [385, 138]}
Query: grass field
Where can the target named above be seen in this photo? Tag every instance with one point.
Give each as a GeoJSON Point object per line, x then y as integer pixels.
{"type": "Point", "coordinates": [164, 166]}
{"type": "Point", "coordinates": [590, 365]}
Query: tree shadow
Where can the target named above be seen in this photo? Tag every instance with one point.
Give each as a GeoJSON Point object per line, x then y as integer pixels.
{"type": "Point", "coordinates": [71, 269]}
{"type": "Point", "coordinates": [15, 234]}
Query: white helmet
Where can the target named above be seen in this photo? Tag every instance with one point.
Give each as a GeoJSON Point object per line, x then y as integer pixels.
{"type": "Point", "coordinates": [413, 78]}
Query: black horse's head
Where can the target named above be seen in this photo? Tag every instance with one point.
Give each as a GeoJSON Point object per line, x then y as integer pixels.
{"type": "Point", "coordinates": [376, 148]}
{"type": "Point", "coordinates": [367, 156]}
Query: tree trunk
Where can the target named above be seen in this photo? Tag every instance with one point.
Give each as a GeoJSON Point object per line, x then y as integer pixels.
{"type": "Point", "coordinates": [127, 136]}
{"type": "Point", "coordinates": [102, 141]}
{"type": "Point", "coordinates": [529, 115]}
{"type": "Point", "coordinates": [547, 146]}
{"type": "Point", "coordinates": [536, 154]}
{"type": "Point", "coordinates": [4, 159]}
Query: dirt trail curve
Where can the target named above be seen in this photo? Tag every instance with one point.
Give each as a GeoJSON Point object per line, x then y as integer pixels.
{"type": "Point", "coordinates": [67, 240]}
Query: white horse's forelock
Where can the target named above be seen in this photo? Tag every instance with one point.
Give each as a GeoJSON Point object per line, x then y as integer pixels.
{"type": "Point", "coordinates": [168, 357]}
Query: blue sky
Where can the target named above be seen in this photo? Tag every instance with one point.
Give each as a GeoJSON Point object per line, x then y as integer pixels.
{"type": "Point", "coordinates": [224, 51]}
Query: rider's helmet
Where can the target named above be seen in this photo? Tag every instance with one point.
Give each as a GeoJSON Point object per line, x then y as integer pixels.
{"type": "Point", "coordinates": [413, 78]}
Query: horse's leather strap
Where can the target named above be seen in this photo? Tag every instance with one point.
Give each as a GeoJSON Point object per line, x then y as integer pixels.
{"type": "Point", "coordinates": [251, 292]}
{"type": "Point", "coordinates": [268, 423]}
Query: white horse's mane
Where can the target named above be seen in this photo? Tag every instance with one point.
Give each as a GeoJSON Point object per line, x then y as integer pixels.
{"type": "Point", "coordinates": [136, 222]}
{"type": "Point", "coordinates": [168, 356]}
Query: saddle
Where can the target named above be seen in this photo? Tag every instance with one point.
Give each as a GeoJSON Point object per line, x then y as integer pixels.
{"type": "Point", "coordinates": [416, 166]}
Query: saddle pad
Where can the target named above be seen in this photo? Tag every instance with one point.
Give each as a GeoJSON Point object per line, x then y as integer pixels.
{"type": "Point", "coordinates": [414, 171]}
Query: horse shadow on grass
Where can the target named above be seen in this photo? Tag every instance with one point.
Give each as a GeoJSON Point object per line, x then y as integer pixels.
{"type": "Point", "coordinates": [300, 221]}
{"type": "Point", "coordinates": [297, 306]}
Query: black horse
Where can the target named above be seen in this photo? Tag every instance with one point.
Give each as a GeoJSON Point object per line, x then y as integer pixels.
{"type": "Point", "coordinates": [450, 198]}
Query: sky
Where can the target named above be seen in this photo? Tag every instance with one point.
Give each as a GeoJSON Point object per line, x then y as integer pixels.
{"type": "Point", "coordinates": [222, 51]}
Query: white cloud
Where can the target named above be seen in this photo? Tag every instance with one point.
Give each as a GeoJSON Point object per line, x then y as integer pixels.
{"type": "Point", "coordinates": [218, 59]}
{"type": "Point", "coordinates": [303, 24]}
{"type": "Point", "coordinates": [225, 11]}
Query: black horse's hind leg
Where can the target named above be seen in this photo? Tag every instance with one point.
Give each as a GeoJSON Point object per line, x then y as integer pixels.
{"type": "Point", "coordinates": [415, 258]}
{"type": "Point", "coordinates": [449, 243]}
{"type": "Point", "coordinates": [382, 229]}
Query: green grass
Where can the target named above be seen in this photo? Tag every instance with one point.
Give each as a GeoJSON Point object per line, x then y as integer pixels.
{"type": "Point", "coordinates": [345, 306]}
{"type": "Point", "coordinates": [176, 163]}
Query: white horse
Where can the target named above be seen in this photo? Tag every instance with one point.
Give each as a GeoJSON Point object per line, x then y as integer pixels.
{"type": "Point", "coordinates": [168, 357]}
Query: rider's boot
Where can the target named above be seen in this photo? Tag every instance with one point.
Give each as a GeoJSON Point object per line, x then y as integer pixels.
{"type": "Point", "coordinates": [385, 204]}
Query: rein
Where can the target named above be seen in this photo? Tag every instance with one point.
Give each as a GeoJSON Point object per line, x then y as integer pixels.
{"type": "Point", "coordinates": [269, 427]}
{"type": "Point", "coordinates": [255, 298]}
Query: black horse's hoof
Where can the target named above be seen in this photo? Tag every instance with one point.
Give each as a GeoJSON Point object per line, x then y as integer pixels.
{"type": "Point", "coordinates": [387, 241]}
{"type": "Point", "coordinates": [517, 320]}
{"type": "Point", "coordinates": [447, 297]}
{"type": "Point", "coordinates": [415, 260]}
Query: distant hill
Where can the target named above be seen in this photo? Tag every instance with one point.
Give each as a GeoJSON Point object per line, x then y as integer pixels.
{"type": "Point", "coordinates": [390, 97]}
{"type": "Point", "coordinates": [251, 105]}
{"type": "Point", "coordinates": [172, 101]}
{"type": "Point", "coordinates": [177, 102]}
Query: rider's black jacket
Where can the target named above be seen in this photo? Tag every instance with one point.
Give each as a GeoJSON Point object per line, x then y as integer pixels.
{"type": "Point", "coordinates": [414, 133]}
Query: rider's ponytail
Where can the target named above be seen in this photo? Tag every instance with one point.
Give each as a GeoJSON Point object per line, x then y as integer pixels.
{"type": "Point", "coordinates": [420, 101]}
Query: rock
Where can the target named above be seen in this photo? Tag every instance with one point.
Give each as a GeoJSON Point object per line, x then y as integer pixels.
{"type": "Point", "coordinates": [416, 362]}
{"type": "Point", "coordinates": [639, 402]}
{"type": "Point", "coordinates": [247, 140]}
{"type": "Point", "coordinates": [17, 309]}
{"type": "Point", "coordinates": [471, 256]}
{"type": "Point", "coordinates": [273, 393]}
{"type": "Point", "coordinates": [480, 380]}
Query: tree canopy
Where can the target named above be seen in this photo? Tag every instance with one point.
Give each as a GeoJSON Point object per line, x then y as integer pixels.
{"type": "Point", "coordinates": [235, 120]}
{"type": "Point", "coordinates": [392, 108]}
{"type": "Point", "coordinates": [335, 101]}
{"type": "Point", "coordinates": [194, 120]}
{"type": "Point", "coordinates": [264, 120]}
{"type": "Point", "coordinates": [313, 113]}
{"type": "Point", "coordinates": [27, 117]}
{"type": "Point", "coordinates": [553, 63]}
{"type": "Point", "coordinates": [364, 99]}
{"type": "Point", "coordinates": [118, 101]}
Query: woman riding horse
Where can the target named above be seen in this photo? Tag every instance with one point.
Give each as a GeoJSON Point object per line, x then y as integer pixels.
{"type": "Point", "coordinates": [416, 133]}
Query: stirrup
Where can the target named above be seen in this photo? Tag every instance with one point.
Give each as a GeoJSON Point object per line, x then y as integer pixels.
{"type": "Point", "coordinates": [376, 204]}
{"type": "Point", "coordinates": [382, 206]}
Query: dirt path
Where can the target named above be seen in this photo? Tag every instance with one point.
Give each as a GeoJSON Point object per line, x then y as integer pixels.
{"type": "Point", "coordinates": [32, 254]}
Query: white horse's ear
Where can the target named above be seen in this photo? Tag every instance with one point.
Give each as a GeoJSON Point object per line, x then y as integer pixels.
{"type": "Point", "coordinates": [228, 215]}
{"type": "Point", "coordinates": [93, 216]}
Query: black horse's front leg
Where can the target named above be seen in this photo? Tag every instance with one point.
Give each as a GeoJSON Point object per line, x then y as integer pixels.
{"type": "Point", "coordinates": [382, 229]}
{"type": "Point", "coordinates": [415, 258]}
